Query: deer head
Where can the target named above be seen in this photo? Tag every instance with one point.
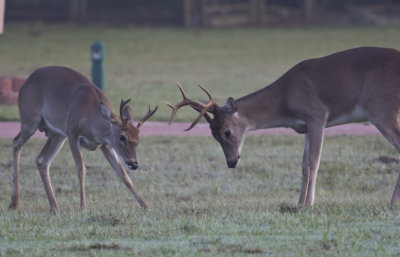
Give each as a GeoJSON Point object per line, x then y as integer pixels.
{"type": "Point", "coordinates": [227, 127]}
{"type": "Point", "coordinates": [125, 135]}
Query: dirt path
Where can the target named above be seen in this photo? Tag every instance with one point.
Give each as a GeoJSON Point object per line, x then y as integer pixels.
{"type": "Point", "coordinates": [10, 130]}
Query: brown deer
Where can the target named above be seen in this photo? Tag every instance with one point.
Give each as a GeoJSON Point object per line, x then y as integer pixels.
{"type": "Point", "coordinates": [64, 104]}
{"type": "Point", "coordinates": [355, 85]}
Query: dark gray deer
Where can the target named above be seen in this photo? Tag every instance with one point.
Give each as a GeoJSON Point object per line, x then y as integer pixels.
{"type": "Point", "coordinates": [64, 104]}
{"type": "Point", "coordinates": [355, 85]}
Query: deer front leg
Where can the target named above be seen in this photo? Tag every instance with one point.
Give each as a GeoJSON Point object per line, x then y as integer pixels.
{"type": "Point", "coordinates": [389, 127]}
{"type": "Point", "coordinates": [305, 172]}
{"type": "Point", "coordinates": [316, 137]}
{"type": "Point", "coordinates": [112, 158]}
{"type": "Point", "coordinates": [80, 166]}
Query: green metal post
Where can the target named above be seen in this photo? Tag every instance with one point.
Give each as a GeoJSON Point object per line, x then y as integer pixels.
{"type": "Point", "coordinates": [98, 71]}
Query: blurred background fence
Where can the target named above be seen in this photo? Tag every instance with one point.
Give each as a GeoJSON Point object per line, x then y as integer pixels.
{"type": "Point", "coordinates": [207, 13]}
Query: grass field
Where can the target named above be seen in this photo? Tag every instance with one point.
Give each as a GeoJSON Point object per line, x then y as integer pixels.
{"type": "Point", "coordinates": [201, 208]}
{"type": "Point", "coordinates": [144, 63]}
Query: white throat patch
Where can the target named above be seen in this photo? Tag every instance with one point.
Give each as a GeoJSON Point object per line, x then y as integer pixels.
{"type": "Point", "coordinates": [243, 137]}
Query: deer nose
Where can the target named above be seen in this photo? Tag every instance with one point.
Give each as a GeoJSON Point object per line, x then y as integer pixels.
{"type": "Point", "coordinates": [232, 163]}
{"type": "Point", "coordinates": [133, 165]}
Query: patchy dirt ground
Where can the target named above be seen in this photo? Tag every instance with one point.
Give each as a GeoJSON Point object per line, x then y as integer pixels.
{"type": "Point", "coordinates": [11, 129]}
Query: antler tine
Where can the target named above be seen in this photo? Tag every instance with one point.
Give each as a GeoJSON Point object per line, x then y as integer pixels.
{"type": "Point", "coordinates": [207, 92]}
{"type": "Point", "coordinates": [176, 107]}
{"type": "Point", "coordinates": [174, 110]}
{"type": "Point", "coordinates": [202, 113]}
{"type": "Point", "coordinates": [181, 89]}
{"type": "Point", "coordinates": [121, 110]}
{"type": "Point", "coordinates": [186, 101]}
{"type": "Point", "coordinates": [147, 116]}
{"type": "Point", "coordinates": [202, 109]}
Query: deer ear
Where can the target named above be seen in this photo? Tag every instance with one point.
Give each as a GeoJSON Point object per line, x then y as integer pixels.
{"type": "Point", "coordinates": [128, 114]}
{"type": "Point", "coordinates": [105, 111]}
{"type": "Point", "coordinates": [231, 105]}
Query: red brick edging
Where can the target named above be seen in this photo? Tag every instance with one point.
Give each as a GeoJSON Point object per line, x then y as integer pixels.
{"type": "Point", "coordinates": [9, 88]}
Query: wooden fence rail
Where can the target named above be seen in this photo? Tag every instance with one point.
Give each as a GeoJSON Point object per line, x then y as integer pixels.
{"type": "Point", "coordinates": [215, 13]}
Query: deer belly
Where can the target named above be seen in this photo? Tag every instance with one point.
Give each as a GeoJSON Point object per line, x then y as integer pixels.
{"type": "Point", "coordinates": [356, 115]}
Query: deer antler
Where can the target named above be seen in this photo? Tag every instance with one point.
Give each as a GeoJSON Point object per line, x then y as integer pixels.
{"type": "Point", "coordinates": [121, 111]}
{"type": "Point", "coordinates": [202, 109]}
{"type": "Point", "coordinates": [205, 109]}
{"type": "Point", "coordinates": [147, 116]}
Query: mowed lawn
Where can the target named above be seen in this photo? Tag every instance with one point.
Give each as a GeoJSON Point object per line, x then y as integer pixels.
{"type": "Point", "coordinates": [144, 63]}
{"type": "Point", "coordinates": [199, 207]}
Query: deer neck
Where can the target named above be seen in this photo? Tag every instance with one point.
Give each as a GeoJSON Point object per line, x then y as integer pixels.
{"type": "Point", "coordinates": [263, 108]}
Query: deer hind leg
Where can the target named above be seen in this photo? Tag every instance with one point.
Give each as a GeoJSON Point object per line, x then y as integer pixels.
{"type": "Point", "coordinates": [23, 136]}
{"type": "Point", "coordinates": [305, 172]}
{"type": "Point", "coordinates": [116, 164]}
{"type": "Point", "coordinates": [43, 161]}
{"type": "Point", "coordinates": [391, 131]}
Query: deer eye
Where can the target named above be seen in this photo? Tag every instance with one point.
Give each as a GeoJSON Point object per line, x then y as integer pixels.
{"type": "Point", "coordinates": [227, 133]}
{"type": "Point", "coordinates": [122, 138]}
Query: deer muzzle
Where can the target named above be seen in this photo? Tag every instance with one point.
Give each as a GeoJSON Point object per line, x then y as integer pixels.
{"type": "Point", "coordinates": [133, 165]}
{"type": "Point", "coordinates": [232, 162]}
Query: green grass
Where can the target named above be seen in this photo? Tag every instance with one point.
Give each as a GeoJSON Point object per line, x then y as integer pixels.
{"type": "Point", "coordinates": [144, 63]}
{"type": "Point", "coordinates": [199, 207]}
